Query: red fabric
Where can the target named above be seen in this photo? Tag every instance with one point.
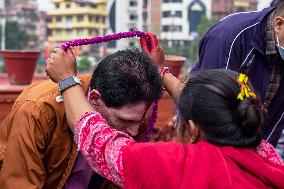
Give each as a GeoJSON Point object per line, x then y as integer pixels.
{"type": "Point", "coordinates": [154, 43]}
{"type": "Point", "coordinates": [203, 165]}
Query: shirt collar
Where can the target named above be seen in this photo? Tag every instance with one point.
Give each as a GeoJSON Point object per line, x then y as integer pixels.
{"type": "Point", "coordinates": [269, 37]}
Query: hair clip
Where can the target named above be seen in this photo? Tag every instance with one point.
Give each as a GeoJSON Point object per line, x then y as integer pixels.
{"type": "Point", "coordinates": [245, 89]}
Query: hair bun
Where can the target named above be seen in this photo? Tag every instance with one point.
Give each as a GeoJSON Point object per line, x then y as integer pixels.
{"type": "Point", "coordinates": [249, 115]}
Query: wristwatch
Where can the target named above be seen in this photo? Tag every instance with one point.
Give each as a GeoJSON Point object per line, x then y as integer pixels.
{"type": "Point", "coordinates": [68, 82]}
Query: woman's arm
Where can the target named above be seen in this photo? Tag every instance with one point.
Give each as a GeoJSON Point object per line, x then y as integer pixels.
{"type": "Point", "coordinates": [75, 104]}
{"type": "Point", "coordinates": [170, 82]}
{"type": "Point", "coordinates": [101, 145]}
{"type": "Point", "coordinates": [173, 86]}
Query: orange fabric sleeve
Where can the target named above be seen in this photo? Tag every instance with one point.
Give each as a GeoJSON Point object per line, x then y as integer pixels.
{"type": "Point", "coordinates": [22, 165]}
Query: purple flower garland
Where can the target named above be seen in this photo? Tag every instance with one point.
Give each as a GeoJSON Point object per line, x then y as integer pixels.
{"type": "Point", "coordinates": [151, 122]}
{"type": "Point", "coordinates": [118, 36]}
{"type": "Point", "coordinates": [101, 39]}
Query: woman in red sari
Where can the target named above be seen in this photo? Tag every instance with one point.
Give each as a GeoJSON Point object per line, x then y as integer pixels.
{"type": "Point", "coordinates": [219, 116]}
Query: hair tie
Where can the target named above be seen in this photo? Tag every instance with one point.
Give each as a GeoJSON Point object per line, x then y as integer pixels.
{"type": "Point", "coordinates": [118, 36]}
{"type": "Point", "coordinates": [245, 89]}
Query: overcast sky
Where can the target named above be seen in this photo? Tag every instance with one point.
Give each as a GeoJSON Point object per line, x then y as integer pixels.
{"type": "Point", "coordinates": [263, 3]}
{"type": "Point", "coordinates": [46, 5]}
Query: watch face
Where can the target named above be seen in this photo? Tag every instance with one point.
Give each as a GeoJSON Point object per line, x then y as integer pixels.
{"type": "Point", "coordinates": [76, 79]}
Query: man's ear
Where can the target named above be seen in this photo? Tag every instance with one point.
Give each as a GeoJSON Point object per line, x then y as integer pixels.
{"type": "Point", "coordinates": [194, 131]}
{"type": "Point", "coordinates": [183, 131]}
{"type": "Point", "coordinates": [94, 96]}
{"type": "Point", "coordinates": [278, 24]}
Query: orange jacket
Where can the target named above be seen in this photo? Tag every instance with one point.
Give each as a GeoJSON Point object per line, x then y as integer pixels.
{"type": "Point", "coordinates": [36, 148]}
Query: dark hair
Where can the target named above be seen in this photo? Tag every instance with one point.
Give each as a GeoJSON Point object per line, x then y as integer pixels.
{"type": "Point", "coordinates": [273, 3]}
{"type": "Point", "coordinates": [210, 101]}
{"type": "Point", "coordinates": [279, 7]}
{"type": "Point", "coordinates": [126, 77]}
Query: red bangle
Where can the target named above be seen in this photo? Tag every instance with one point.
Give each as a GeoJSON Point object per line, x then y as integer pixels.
{"type": "Point", "coordinates": [165, 70]}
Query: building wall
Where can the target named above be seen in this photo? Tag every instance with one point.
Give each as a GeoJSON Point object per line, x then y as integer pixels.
{"type": "Point", "coordinates": [41, 30]}
{"type": "Point", "coordinates": [76, 19]}
{"type": "Point", "coordinates": [176, 20]}
{"type": "Point", "coordinates": [148, 18]}
{"type": "Point", "coordinates": [124, 15]}
{"type": "Point", "coordinates": [222, 8]}
{"type": "Point", "coordinates": [173, 27]}
{"type": "Point", "coordinates": [27, 15]}
{"type": "Point", "coordinates": [151, 16]}
{"type": "Point", "coordinates": [154, 16]}
{"type": "Point", "coordinates": [2, 5]}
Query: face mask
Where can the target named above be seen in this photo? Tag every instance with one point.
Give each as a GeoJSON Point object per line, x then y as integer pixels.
{"type": "Point", "coordinates": [280, 48]}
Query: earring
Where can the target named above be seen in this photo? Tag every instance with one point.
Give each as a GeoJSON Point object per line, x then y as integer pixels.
{"type": "Point", "coordinates": [192, 140]}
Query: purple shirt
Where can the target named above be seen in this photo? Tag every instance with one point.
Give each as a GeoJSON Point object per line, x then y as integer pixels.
{"type": "Point", "coordinates": [80, 176]}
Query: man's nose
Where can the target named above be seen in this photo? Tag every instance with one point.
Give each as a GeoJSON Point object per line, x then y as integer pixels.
{"type": "Point", "coordinates": [133, 130]}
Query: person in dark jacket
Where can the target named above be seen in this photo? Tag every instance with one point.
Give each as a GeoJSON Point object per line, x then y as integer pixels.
{"type": "Point", "coordinates": [280, 146]}
{"type": "Point", "coordinates": [252, 43]}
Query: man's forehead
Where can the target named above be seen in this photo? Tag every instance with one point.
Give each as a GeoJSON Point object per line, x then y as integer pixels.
{"type": "Point", "coordinates": [131, 112]}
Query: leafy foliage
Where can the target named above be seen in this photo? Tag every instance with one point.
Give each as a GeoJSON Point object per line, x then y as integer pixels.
{"type": "Point", "coordinates": [84, 64]}
{"type": "Point", "coordinates": [16, 37]}
{"type": "Point", "coordinates": [190, 50]}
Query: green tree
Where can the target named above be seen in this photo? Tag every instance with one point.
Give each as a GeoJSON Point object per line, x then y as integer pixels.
{"type": "Point", "coordinates": [16, 37]}
{"type": "Point", "coordinates": [84, 64]}
{"type": "Point", "coordinates": [205, 25]}
{"type": "Point", "coordinates": [190, 50]}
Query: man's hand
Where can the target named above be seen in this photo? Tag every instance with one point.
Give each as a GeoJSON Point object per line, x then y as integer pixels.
{"type": "Point", "coordinates": [61, 65]}
{"type": "Point", "coordinates": [154, 51]}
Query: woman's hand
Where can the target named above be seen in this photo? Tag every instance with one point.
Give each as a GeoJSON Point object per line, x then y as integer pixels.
{"type": "Point", "coordinates": [170, 82]}
{"type": "Point", "coordinates": [153, 50]}
{"type": "Point", "coordinates": [61, 65]}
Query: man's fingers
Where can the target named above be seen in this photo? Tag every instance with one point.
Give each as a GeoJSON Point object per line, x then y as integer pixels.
{"type": "Point", "coordinates": [70, 52]}
{"type": "Point", "coordinates": [57, 50]}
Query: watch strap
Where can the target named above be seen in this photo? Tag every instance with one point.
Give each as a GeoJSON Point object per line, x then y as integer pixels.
{"type": "Point", "coordinates": [68, 82]}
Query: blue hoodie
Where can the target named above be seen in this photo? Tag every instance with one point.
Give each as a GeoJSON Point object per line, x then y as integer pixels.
{"type": "Point", "coordinates": [237, 43]}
